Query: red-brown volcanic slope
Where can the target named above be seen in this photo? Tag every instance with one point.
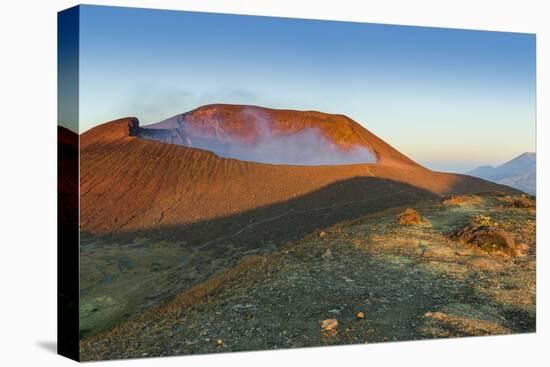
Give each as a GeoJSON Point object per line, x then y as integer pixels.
{"type": "Point", "coordinates": [244, 123]}
{"type": "Point", "coordinates": [128, 183]}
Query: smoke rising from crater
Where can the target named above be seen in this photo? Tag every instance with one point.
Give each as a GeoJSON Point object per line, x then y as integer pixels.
{"type": "Point", "coordinates": [261, 142]}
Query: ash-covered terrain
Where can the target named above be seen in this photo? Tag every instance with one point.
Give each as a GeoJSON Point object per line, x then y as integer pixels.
{"type": "Point", "coordinates": [189, 247]}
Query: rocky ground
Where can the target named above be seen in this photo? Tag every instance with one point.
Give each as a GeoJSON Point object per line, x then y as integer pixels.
{"type": "Point", "coordinates": [378, 278]}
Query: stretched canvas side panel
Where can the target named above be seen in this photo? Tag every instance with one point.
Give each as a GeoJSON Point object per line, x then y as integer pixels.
{"type": "Point", "coordinates": [67, 189]}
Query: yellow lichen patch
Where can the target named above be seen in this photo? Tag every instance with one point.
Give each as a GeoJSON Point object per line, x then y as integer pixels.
{"type": "Point", "coordinates": [483, 220]}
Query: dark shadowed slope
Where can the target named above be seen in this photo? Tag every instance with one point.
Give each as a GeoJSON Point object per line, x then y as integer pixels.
{"type": "Point", "coordinates": [67, 150]}
{"type": "Point", "coordinates": [67, 242]}
{"type": "Point", "coordinates": [67, 176]}
{"type": "Point", "coordinates": [129, 183]}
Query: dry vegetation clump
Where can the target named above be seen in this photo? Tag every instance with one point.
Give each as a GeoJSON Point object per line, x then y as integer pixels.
{"type": "Point", "coordinates": [462, 200]}
{"type": "Point", "coordinates": [454, 325]}
{"type": "Point", "coordinates": [489, 264]}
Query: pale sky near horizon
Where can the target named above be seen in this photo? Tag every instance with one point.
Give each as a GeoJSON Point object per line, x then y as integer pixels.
{"type": "Point", "coordinates": [449, 99]}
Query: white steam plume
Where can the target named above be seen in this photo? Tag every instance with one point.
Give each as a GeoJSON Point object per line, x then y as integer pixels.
{"type": "Point", "coordinates": [307, 147]}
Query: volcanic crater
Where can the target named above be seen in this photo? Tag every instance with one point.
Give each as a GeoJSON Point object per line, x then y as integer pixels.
{"type": "Point", "coordinates": [262, 135]}
{"type": "Point", "coordinates": [162, 207]}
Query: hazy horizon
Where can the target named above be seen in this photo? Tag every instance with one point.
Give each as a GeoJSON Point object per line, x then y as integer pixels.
{"type": "Point", "coordinates": [449, 99]}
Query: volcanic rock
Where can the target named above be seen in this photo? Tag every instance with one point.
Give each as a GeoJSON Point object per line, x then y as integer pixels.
{"type": "Point", "coordinates": [327, 255]}
{"type": "Point", "coordinates": [410, 217]}
{"type": "Point", "coordinates": [523, 202]}
{"type": "Point", "coordinates": [487, 238]}
{"type": "Point", "coordinates": [329, 325]}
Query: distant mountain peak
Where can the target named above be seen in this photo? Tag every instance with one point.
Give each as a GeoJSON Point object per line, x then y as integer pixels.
{"type": "Point", "coordinates": [519, 172]}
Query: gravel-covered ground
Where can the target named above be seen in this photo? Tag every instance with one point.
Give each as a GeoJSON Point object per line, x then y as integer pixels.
{"type": "Point", "coordinates": [380, 281]}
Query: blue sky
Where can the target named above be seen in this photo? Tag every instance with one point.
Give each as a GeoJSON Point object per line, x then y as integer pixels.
{"type": "Point", "coordinates": [449, 99]}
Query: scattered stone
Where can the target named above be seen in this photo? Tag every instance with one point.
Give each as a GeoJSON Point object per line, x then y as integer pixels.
{"type": "Point", "coordinates": [327, 255]}
{"type": "Point", "coordinates": [360, 315]}
{"type": "Point", "coordinates": [329, 325]}
{"type": "Point", "coordinates": [219, 343]}
{"type": "Point", "coordinates": [335, 311]}
{"type": "Point", "coordinates": [410, 217]}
